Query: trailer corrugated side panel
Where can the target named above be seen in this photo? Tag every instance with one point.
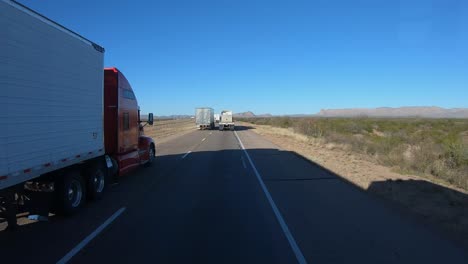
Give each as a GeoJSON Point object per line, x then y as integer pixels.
{"type": "Point", "coordinates": [51, 96]}
{"type": "Point", "coordinates": [204, 116]}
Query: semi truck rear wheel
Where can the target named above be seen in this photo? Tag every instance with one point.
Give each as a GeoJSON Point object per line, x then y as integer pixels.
{"type": "Point", "coordinates": [70, 193]}
{"type": "Point", "coordinates": [96, 177]}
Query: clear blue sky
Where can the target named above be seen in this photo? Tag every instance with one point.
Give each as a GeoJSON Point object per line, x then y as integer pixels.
{"type": "Point", "coordinates": [279, 57]}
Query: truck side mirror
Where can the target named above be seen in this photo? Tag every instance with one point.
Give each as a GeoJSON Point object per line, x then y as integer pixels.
{"type": "Point", "coordinates": [150, 119]}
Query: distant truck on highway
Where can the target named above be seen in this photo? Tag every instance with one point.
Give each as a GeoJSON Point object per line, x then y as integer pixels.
{"type": "Point", "coordinates": [68, 125]}
{"type": "Point", "coordinates": [226, 121]}
{"type": "Point", "coordinates": [204, 118]}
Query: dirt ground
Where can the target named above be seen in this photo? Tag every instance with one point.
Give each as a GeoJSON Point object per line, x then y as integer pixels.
{"type": "Point", "coordinates": [164, 130]}
{"type": "Point", "coordinates": [438, 204]}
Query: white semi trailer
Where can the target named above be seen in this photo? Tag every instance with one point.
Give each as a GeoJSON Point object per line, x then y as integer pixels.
{"type": "Point", "coordinates": [68, 125]}
{"type": "Point", "coordinates": [204, 118]}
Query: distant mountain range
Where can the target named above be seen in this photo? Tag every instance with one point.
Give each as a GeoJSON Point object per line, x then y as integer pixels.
{"type": "Point", "coordinates": [410, 111]}
{"type": "Point", "coordinates": [174, 117]}
{"type": "Point", "coordinates": [250, 114]}
{"type": "Point", "coordinates": [407, 111]}
{"type": "Point", "coordinates": [244, 114]}
{"type": "Point", "coordinates": [145, 117]}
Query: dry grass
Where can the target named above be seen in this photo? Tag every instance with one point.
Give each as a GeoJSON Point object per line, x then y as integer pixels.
{"type": "Point", "coordinates": [162, 130]}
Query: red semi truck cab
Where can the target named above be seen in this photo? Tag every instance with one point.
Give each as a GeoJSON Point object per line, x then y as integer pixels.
{"type": "Point", "coordinates": [124, 141]}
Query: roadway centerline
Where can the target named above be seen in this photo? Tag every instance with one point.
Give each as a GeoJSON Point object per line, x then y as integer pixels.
{"type": "Point", "coordinates": [90, 237]}
{"type": "Point", "coordinates": [194, 147]}
{"type": "Point", "coordinates": [297, 251]}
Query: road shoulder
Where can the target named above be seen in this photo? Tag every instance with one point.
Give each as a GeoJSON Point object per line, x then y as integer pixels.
{"type": "Point", "coordinates": [435, 205]}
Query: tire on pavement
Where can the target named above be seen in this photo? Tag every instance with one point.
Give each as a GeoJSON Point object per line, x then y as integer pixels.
{"type": "Point", "coordinates": [97, 178]}
{"type": "Point", "coordinates": [152, 155]}
{"type": "Point", "coordinates": [70, 193]}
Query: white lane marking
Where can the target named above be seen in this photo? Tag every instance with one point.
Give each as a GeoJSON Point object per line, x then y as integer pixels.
{"type": "Point", "coordinates": [297, 251]}
{"type": "Point", "coordinates": [243, 162]}
{"type": "Point", "coordinates": [185, 155]}
{"type": "Point", "coordinates": [203, 139]}
{"type": "Point", "coordinates": [90, 237]}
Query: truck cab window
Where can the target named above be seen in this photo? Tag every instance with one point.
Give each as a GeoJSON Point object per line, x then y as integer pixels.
{"type": "Point", "coordinates": [128, 94]}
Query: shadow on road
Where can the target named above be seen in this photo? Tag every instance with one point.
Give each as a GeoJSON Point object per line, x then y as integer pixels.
{"type": "Point", "coordinates": [436, 204]}
{"type": "Point", "coordinates": [243, 127]}
{"type": "Point", "coordinates": [237, 127]}
{"type": "Point", "coordinates": [431, 204]}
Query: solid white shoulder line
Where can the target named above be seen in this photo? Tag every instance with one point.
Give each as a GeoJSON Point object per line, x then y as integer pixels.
{"type": "Point", "coordinates": [185, 155]}
{"type": "Point", "coordinates": [297, 251]}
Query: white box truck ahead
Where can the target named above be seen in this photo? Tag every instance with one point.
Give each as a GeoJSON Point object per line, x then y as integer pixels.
{"type": "Point", "coordinates": [204, 118]}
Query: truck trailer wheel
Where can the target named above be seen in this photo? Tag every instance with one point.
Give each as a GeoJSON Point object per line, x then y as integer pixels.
{"type": "Point", "coordinates": [70, 193]}
{"type": "Point", "coordinates": [96, 180]}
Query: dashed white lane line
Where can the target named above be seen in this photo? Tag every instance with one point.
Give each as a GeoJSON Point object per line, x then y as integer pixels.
{"type": "Point", "coordinates": [185, 155]}
{"type": "Point", "coordinates": [297, 251]}
{"type": "Point", "coordinates": [90, 237]}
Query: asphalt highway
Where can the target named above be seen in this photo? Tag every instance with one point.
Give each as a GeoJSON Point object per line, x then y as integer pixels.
{"type": "Point", "coordinates": [230, 197]}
